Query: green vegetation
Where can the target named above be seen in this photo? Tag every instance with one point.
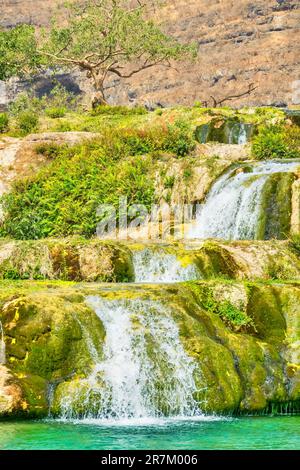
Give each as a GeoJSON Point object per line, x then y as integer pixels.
{"type": "Point", "coordinates": [27, 112]}
{"type": "Point", "coordinates": [277, 141]}
{"type": "Point", "coordinates": [118, 111]}
{"type": "Point", "coordinates": [62, 198]}
{"type": "Point", "coordinates": [18, 53]}
{"type": "Point", "coordinates": [233, 316]}
{"type": "Point", "coordinates": [27, 122]}
{"type": "Point", "coordinates": [295, 242]}
{"type": "Point", "coordinates": [276, 207]}
{"type": "Point", "coordinates": [3, 122]}
{"type": "Point", "coordinates": [100, 39]}
{"type": "Point", "coordinates": [55, 113]}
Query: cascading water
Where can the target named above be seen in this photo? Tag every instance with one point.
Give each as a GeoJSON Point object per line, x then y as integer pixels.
{"type": "Point", "coordinates": [231, 132]}
{"type": "Point", "coordinates": [232, 208]}
{"type": "Point", "coordinates": [144, 372]}
{"type": "Point", "coordinates": [153, 266]}
{"type": "Point", "coordinates": [2, 345]}
{"type": "Point", "coordinates": [239, 135]}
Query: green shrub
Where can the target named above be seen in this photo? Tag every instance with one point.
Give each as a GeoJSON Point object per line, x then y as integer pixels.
{"type": "Point", "coordinates": [187, 173]}
{"type": "Point", "coordinates": [60, 98]}
{"type": "Point", "coordinates": [63, 126]}
{"type": "Point", "coordinates": [25, 103]}
{"type": "Point", "coordinates": [228, 312]}
{"type": "Point", "coordinates": [277, 142]}
{"type": "Point", "coordinates": [55, 113]}
{"type": "Point", "coordinates": [118, 110]}
{"type": "Point", "coordinates": [292, 138]}
{"type": "Point", "coordinates": [27, 122]}
{"type": "Point", "coordinates": [50, 150]}
{"type": "Point", "coordinates": [174, 138]}
{"type": "Point", "coordinates": [198, 104]}
{"type": "Point", "coordinates": [180, 138]}
{"type": "Point", "coordinates": [3, 122]}
{"type": "Point", "coordinates": [169, 182]}
{"type": "Point", "coordinates": [53, 105]}
{"type": "Point", "coordinates": [62, 198]}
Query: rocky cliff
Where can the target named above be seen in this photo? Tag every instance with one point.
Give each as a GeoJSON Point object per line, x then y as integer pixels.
{"type": "Point", "coordinates": [239, 43]}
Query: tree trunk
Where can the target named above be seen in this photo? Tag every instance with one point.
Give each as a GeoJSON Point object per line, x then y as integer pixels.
{"type": "Point", "coordinates": [99, 98]}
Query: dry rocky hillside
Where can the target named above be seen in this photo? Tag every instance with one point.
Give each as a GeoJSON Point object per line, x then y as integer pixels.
{"type": "Point", "coordinates": [239, 43]}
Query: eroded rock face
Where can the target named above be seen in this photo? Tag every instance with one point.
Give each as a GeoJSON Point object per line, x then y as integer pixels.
{"type": "Point", "coordinates": [11, 395]}
{"type": "Point", "coordinates": [236, 41]}
{"type": "Point", "coordinates": [244, 339]}
{"type": "Point", "coordinates": [112, 261]}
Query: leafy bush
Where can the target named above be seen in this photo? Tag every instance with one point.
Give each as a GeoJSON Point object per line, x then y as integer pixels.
{"type": "Point", "coordinates": [50, 150]}
{"type": "Point", "coordinates": [198, 104]}
{"type": "Point", "coordinates": [180, 138]}
{"type": "Point", "coordinates": [63, 126]}
{"type": "Point", "coordinates": [54, 105]}
{"type": "Point", "coordinates": [55, 113]}
{"type": "Point", "coordinates": [175, 138]}
{"type": "Point", "coordinates": [169, 182]}
{"type": "Point", "coordinates": [3, 122]}
{"type": "Point", "coordinates": [60, 97]}
{"type": "Point", "coordinates": [228, 312]}
{"type": "Point", "coordinates": [27, 122]}
{"type": "Point", "coordinates": [277, 142]}
{"type": "Point", "coordinates": [118, 110]}
{"type": "Point", "coordinates": [62, 198]}
{"type": "Point", "coordinates": [25, 103]}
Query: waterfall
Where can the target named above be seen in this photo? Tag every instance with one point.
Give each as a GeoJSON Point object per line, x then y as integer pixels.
{"type": "Point", "coordinates": [144, 371]}
{"type": "Point", "coordinates": [238, 134]}
{"type": "Point", "coordinates": [230, 132]}
{"type": "Point", "coordinates": [2, 345]}
{"type": "Point", "coordinates": [155, 265]}
{"type": "Point", "coordinates": [232, 208]}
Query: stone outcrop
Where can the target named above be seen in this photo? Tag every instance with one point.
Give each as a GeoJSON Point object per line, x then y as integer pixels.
{"type": "Point", "coordinates": [111, 261]}
{"type": "Point", "coordinates": [244, 369]}
{"type": "Point", "coordinates": [239, 43]}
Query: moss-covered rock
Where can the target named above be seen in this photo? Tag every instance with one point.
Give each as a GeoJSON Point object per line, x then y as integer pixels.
{"type": "Point", "coordinates": [65, 259]}
{"type": "Point", "coordinates": [110, 261]}
{"type": "Point", "coordinates": [276, 207]}
{"type": "Point", "coordinates": [53, 339]}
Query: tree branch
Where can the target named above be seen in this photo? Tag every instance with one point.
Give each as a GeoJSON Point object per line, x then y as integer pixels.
{"type": "Point", "coordinates": [251, 88]}
{"type": "Point", "coordinates": [81, 63]}
{"type": "Point", "coordinates": [143, 67]}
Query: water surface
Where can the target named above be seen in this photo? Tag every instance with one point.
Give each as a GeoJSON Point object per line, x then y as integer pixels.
{"type": "Point", "coordinates": [194, 434]}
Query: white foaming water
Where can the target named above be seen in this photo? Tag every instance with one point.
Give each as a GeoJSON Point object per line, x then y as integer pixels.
{"type": "Point", "coordinates": [155, 266]}
{"type": "Point", "coordinates": [144, 373]}
{"type": "Point", "coordinates": [238, 134]}
{"type": "Point", "coordinates": [2, 346]}
{"type": "Point", "coordinates": [232, 208]}
{"type": "Point", "coordinates": [242, 138]}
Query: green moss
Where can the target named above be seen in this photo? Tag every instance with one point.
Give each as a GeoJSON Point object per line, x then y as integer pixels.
{"type": "Point", "coordinates": [232, 316]}
{"type": "Point", "coordinates": [276, 207]}
{"type": "Point", "coordinates": [48, 329]}
{"type": "Point", "coordinates": [266, 310]}
{"type": "Point", "coordinates": [215, 261]}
